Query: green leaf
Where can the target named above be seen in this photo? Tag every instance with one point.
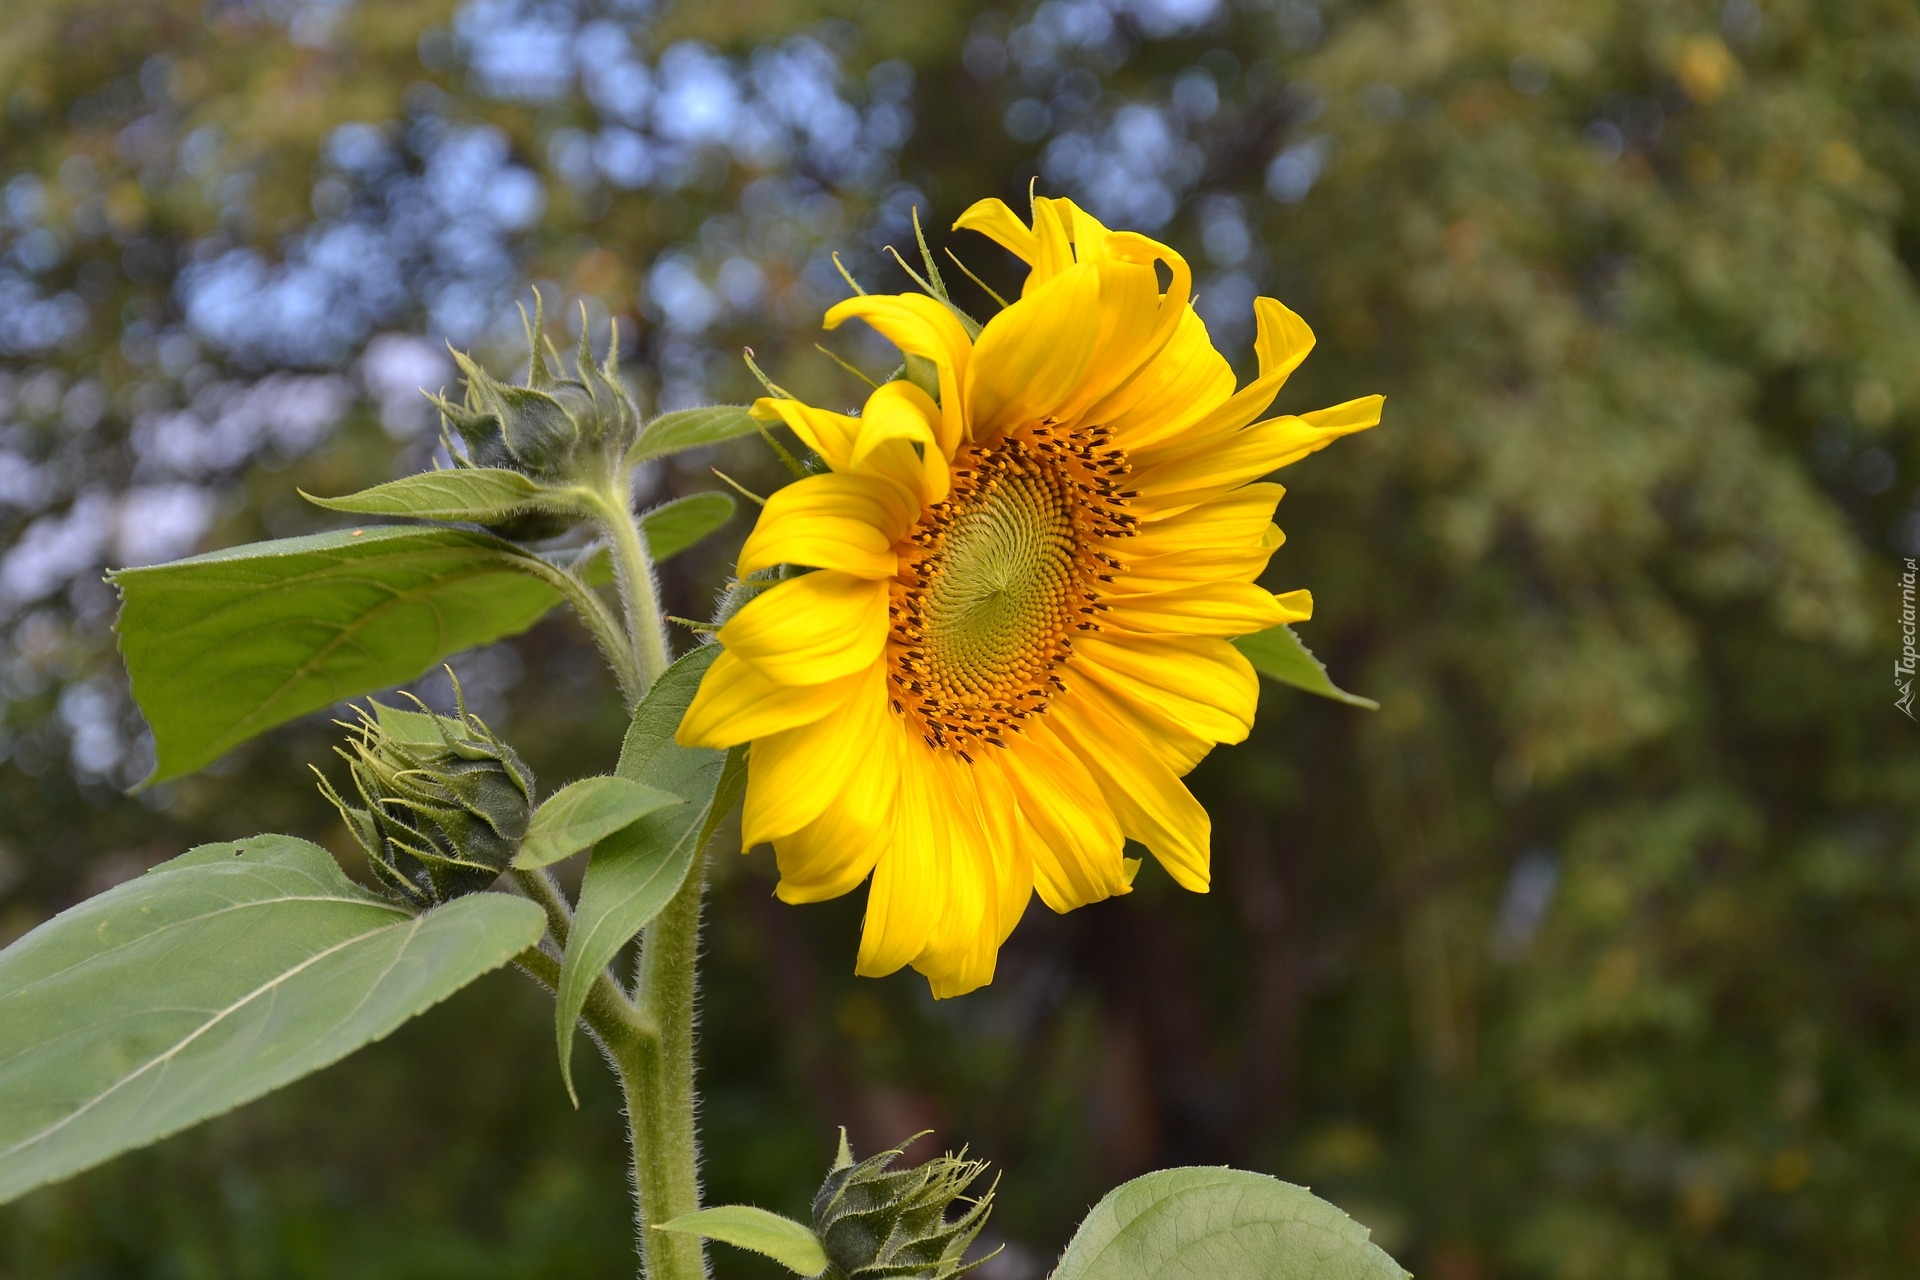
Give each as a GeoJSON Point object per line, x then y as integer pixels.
{"type": "Point", "coordinates": [674, 526]}
{"type": "Point", "coordinates": [421, 727]}
{"type": "Point", "coordinates": [1220, 1224]}
{"type": "Point", "coordinates": [1278, 653]}
{"type": "Point", "coordinates": [690, 429]}
{"type": "Point", "coordinates": [584, 813]}
{"type": "Point", "coordinates": [634, 873]}
{"type": "Point", "coordinates": [785, 1241]}
{"type": "Point", "coordinates": [227, 645]}
{"type": "Point", "coordinates": [480, 495]}
{"type": "Point", "coordinates": [225, 973]}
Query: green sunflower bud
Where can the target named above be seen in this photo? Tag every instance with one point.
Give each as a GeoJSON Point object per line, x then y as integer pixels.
{"type": "Point", "coordinates": [447, 803]}
{"type": "Point", "coordinates": [878, 1223]}
{"type": "Point", "coordinates": [552, 428]}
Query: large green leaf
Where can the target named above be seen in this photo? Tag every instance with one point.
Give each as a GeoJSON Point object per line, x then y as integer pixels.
{"type": "Point", "coordinates": [787, 1242]}
{"type": "Point", "coordinates": [1278, 653]}
{"type": "Point", "coordinates": [583, 813]}
{"type": "Point", "coordinates": [690, 429]}
{"type": "Point", "coordinates": [632, 874]}
{"type": "Point", "coordinates": [228, 972]}
{"type": "Point", "coordinates": [674, 526]}
{"type": "Point", "coordinates": [1220, 1224]}
{"type": "Point", "coordinates": [225, 646]}
{"type": "Point", "coordinates": [481, 495]}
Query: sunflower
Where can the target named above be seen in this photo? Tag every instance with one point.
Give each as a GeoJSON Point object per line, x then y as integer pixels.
{"type": "Point", "coordinates": [1027, 562]}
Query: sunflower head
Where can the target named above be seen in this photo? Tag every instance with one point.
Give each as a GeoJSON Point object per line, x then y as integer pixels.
{"type": "Point", "coordinates": [446, 802]}
{"type": "Point", "coordinates": [876, 1221]}
{"type": "Point", "coordinates": [552, 428]}
{"type": "Point", "coordinates": [1024, 561]}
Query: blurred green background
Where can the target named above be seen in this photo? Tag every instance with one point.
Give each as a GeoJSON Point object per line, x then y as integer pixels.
{"type": "Point", "coordinates": [1592, 954]}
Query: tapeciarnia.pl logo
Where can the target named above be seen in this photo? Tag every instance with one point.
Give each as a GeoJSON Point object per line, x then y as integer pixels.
{"type": "Point", "coordinates": [1903, 666]}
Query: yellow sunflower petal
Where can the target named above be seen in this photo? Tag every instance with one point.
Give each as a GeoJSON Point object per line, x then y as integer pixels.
{"type": "Point", "coordinates": [1189, 478]}
{"type": "Point", "coordinates": [1012, 863]}
{"type": "Point", "coordinates": [830, 856]}
{"type": "Point", "coordinates": [1176, 569]}
{"type": "Point", "coordinates": [1076, 855]}
{"type": "Point", "coordinates": [736, 703]}
{"type": "Point", "coordinates": [1127, 335]}
{"type": "Point", "coordinates": [1282, 342]}
{"type": "Point", "coordinates": [920, 326]}
{"type": "Point", "coordinates": [1053, 235]}
{"type": "Point", "coordinates": [831, 435]}
{"type": "Point", "coordinates": [1319, 428]}
{"type": "Point", "coordinates": [1205, 684]}
{"type": "Point", "coordinates": [1152, 805]}
{"type": "Point", "coordinates": [794, 775]}
{"type": "Point", "coordinates": [1087, 234]}
{"type": "Point", "coordinates": [1165, 734]}
{"type": "Point", "coordinates": [830, 521]}
{"type": "Point", "coordinates": [1148, 328]}
{"type": "Point", "coordinates": [811, 629]}
{"type": "Point", "coordinates": [833, 853]}
{"type": "Point", "coordinates": [1186, 379]}
{"type": "Point", "coordinates": [1000, 224]}
{"type": "Point", "coordinates": [961, 950]}
{"type": "Point", "coordinates": [912, 879]}
{"type": "Point", "coordinates": [1062, 235]}
{"type": "Point", "coordinates": [1238, 518]}
{"type": "Point", "coordinates": [1220, 609]}
{"type": "Point", "coordinates": [1131, 319]}
{"type": "Point", "coordinates": [1029, 359]}
{"type": "Point", "coordinates": [900, 439]}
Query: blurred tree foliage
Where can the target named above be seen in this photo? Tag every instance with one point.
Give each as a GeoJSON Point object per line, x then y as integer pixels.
{"type": "Point", "coordinates": [1589, 955]}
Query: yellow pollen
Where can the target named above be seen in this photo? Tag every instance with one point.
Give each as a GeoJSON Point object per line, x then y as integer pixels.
{"type": "Point", "coordinates": [996, 581]}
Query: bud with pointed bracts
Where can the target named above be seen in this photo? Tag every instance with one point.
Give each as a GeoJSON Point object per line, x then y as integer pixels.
{"type": "Point", "coordinates": [447, 803]}
{"type": "Point", "coordinates": [878, 1223]}
{"type": "Point", "coordinates": [554, 428]}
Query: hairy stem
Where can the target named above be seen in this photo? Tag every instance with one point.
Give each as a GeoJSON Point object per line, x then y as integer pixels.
{"type": "Point", "coordinates": [653, 1054]}
{"type": "Point", "coordinates": [545, 890]}
{"type": "Point", "coordinates": [656, 1074]}
{"type": "Point", "coordinates": [600, 621]}
{"type": "Point", "coordinates": [633, 568]}
{"type": "Point", "coordinates": [609, 1013]}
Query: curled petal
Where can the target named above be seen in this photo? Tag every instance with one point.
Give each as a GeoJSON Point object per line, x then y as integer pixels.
{"type": "Point", "coordinates": [736, 703]}
{"type": "Point", "coordinates": [811, 629]}
{"type": "Point", "coordinates": [843, 522]}
{"type": "Point", "coordinates": [924, 327]}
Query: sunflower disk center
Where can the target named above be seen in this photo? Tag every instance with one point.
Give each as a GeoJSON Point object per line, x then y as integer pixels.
{"type": "Point", "coordinates": [1002, 586]}
{"type": "Point", "coordinates": [1006, 573]}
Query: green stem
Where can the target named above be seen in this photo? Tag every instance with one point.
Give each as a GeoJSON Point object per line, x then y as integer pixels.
{"type": "Point", "coordinates": [600, 621]}
{"type": "Point", "coordinates": [545, 890]}
{"type": "Point", "coordinates": [656, 1074]}
{"type": "Point", "coordinates": [633, 568]}
{"type": "Point", "coordinates": [608, 1012]}
{"type": "Point", "coordinates": [653, 1054]}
